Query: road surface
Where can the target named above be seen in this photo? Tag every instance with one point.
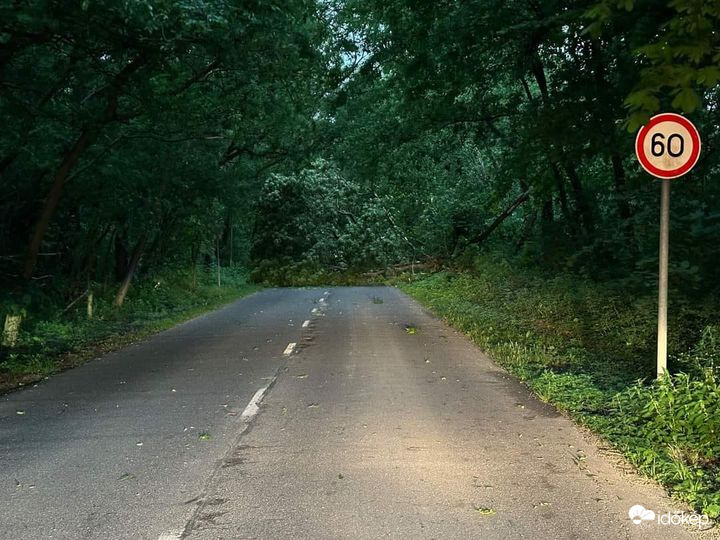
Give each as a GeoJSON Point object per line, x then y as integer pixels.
{"type": "Point", "coordinates": [379, 422]}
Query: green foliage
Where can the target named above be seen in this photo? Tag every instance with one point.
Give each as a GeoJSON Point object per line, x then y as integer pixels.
{"type": "Point", "coordinates": [583, 346]}
{"type": "Point", "coordinates": [144, 124]}
{"type": "Point", "coordinates": [318, 218]}
{"type": "Point", "coordinates": [677, 46]}
{"type": "Point", "coordinates": [670, 430]}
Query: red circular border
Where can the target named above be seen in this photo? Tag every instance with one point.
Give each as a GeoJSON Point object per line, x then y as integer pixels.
{"type": "Point", "coordinates": [655, 120]}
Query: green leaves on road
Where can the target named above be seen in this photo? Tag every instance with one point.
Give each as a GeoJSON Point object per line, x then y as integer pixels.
{"type": "Point", "coordinates": [483, 511]}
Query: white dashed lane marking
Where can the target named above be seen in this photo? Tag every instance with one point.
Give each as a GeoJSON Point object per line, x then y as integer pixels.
{"type": "Point", "coordinates": [254, 406]}
{"type": "Point", "coordinates": [289, 349]}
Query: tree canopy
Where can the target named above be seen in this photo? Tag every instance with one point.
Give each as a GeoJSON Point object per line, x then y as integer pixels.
{"type": "Point", "coordinates": [348, 134]}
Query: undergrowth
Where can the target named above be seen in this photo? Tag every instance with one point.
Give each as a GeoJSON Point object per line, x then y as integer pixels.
{"type": "Point", "coordinates": [53, 338]}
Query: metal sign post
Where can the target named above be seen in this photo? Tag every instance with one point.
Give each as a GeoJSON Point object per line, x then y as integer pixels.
{"type": "Point", "coordinates": [668, 147]}
{"type": "Point", "coordinates": [663, 277]}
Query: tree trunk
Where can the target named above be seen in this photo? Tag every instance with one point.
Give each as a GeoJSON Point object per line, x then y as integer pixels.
{"type": "Point", "coordinates": [623, 208]}
{"type": "Point", "coordinates": [230, 263]}
{"type": "Point", "coordinates": [583, 208]}
{"type": "Point", "coordinates": [581, 205]}
{"type": "Point", "coordinates": [479, 239]}
{"type": "Point", "coordinates": [87, 135]}
{"type": "Point", "coordinates": [68, 162]}
{"type": "Point", "coordinates": [194, 253]}
{"type": "Point", "coordinates": [217, 258]}
{"type": "Point", "coordinates": [90, 305]}
{"type": "Point", "coordinates": [11, 330]}
{"type": "Point", "coordinates": [547, 213]}
{"type": "Point", "coordinates": [132, 267]}
{"type": "Point", "coordinates": [527, 228]}
{"type": "Point", "coordinates": [86, 263]}
{"type": "Point", "coordinates": [562, 194]}
{"type": "Point", "coordinates": [538, 71]}
{"type": "Point", "coordinates": [121, 258]}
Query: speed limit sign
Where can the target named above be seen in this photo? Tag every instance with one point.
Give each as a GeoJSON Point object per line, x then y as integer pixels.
{"type": "Point", "coordinates": [668, 146]}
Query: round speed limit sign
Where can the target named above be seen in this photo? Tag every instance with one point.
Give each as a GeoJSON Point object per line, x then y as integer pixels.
{"type": "Point", "coordinates": [668, 146]}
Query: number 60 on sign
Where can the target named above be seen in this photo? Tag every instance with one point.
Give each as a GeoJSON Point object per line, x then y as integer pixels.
{"type": "Point", "coordinates": [668, 146]}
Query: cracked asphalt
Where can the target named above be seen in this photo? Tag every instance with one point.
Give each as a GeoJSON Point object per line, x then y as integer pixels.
{"type": "Point", "coordinates": [379, 422]}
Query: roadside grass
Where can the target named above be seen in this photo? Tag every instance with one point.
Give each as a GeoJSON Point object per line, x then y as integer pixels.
{"type": "Point", "coordinates": [52, 341]}
{"type": "Point", "coordinates": [588, 348]}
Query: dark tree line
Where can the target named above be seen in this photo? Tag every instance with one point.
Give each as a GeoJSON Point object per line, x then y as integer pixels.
{"type": "Point", "coordinates": [511, 125]}
{"type": "Point", "coordinates": [347, 134]}
{"type": "Point", "coordinates": [140, 130]}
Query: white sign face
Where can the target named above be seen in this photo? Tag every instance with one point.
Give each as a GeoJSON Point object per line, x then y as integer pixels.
{"type": "Point", "coordinates": [668, 146]}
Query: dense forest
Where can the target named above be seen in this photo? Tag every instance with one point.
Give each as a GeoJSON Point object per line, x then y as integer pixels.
{"type": "Point", "coordinates": [154, 151]}
{"type": "Point", "coordinates": [347, 135]}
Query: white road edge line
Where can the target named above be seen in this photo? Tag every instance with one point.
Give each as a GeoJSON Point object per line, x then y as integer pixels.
{"type": "Point", "coordinates": [254, 406]}
{"type": "Point", "coordinates": [289, 349]}
{"type": "Point", "coordinates": [305, 324]}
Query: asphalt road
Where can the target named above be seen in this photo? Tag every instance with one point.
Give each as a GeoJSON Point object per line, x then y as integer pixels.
{"type": "Point", "coordinates": [381, 422]}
